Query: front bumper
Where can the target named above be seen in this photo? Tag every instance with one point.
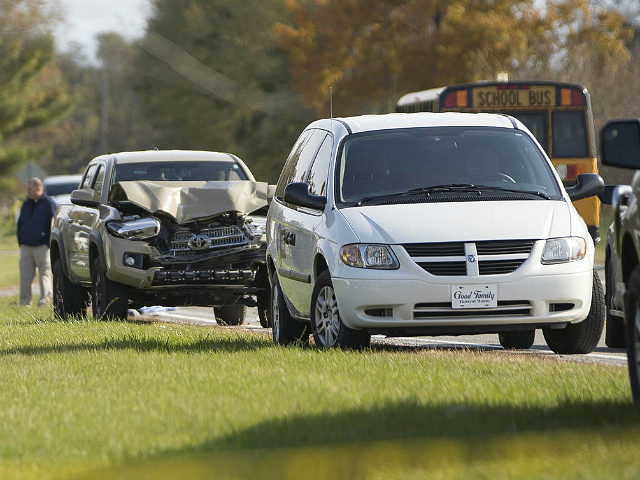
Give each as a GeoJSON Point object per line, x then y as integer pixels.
{"type": "Point", "coordinates": [419, 304]}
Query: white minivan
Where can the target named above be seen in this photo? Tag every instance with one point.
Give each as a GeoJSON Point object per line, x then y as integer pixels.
{"type": "Point", "coordinates": [430, 224]}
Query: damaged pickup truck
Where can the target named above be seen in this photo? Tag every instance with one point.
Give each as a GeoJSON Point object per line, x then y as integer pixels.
{"type": "Point", "coordinates": [162, 228]}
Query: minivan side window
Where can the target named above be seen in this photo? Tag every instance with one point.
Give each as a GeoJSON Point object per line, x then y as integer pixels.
{"type": "Point", "coordinates": [88, 177]}
{"type": "Point", "coordinates": [97, 184]}
{"type": "Point", "coordinates": [319, 172]}
{"type": "Point", "coordinates": [300, 160]}
{"type": "Point", "coordinates": [293, 157]}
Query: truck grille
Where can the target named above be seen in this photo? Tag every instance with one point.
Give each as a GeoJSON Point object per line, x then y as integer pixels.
{"type": "Point", "coordinates": [187, 242]}
{"type": "Point", "coordinates": [494, 257]}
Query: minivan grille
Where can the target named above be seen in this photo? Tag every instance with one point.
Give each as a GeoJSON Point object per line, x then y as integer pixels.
{"type": "Point", "coordinates": [506, 308]}
{"type": "Point", "coordinates": [493, 257]}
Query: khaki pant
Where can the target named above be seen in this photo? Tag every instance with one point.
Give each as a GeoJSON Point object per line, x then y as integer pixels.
{"type": "Point", "coordinates": [30, 259]}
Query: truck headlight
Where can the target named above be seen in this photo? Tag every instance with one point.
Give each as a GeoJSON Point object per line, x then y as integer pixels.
{"type": "Point", "coordinates": [362, 255]}
{"type": "Point", "coordinates": [139, 229]}
{"type": "Point", "coordinates": [561, 250]}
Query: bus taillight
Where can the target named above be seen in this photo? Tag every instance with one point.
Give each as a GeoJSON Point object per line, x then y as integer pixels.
{"type": "Point", "coordinates": [450, 100]}
{"type": "Point", "coordinates": [569, 96]}
{"type": "Point", "coordinates": [457, 98]}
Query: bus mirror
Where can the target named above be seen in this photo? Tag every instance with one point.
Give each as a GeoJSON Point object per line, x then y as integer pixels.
{"type": "Point", "coordinates": [587, 185]}
{"type": "Point", "coordinates": [620, 143]}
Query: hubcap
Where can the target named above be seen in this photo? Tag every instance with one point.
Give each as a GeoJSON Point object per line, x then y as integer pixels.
{"type": "Point", "coordinates": [276, 314]}
{"type": "Point", "coordinates": [327, 318]}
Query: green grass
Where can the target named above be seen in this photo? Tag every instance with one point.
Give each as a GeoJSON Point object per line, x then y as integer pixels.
{"type": "Point", "coordinates": [88, 399]}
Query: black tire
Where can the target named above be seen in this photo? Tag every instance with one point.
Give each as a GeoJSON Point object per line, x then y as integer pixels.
{"type": "Point", "coordinates": [614, 326]}
{"type": "Point", "coordinates": [230, 314]}
{"type": "Point", "coordinates": [632, 324]}
{"type": "Point", "coordinates": [326, 324]}
{"type": "Point", "coordinates": [263, 297]}
{"type": "Point", "coordinates": [286, 330]}
{"type": "Point", "coordinates": [584, 336]}
{"type": "Point", "coordinates": [517, 340]}
{"type": "Point", "coordinates": [109, 299]}
{"type": "Point", "coordinates": [69, 300]}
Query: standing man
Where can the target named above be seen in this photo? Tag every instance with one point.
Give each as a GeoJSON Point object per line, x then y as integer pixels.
{"type": "Point", "coordinates": [34, 230]}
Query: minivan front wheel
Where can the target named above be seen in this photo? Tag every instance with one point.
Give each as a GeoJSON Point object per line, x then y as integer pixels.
{"type": "Point", "coordinates": [584, 336]}
{"type": "Point", "coordinates": [328, 329]}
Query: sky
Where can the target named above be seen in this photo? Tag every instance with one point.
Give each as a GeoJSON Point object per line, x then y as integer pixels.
{"type": "Point", "coordinates": [82, 20]}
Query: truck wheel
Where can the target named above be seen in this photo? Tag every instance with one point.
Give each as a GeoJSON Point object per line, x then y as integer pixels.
{"type": "Point", "coordinates": [632, 317]}
{"type": "Point", "coordinates": [230, 314]}
{"type": "Point", "coordinates": [286, 329]}
{"type": "Point", "coordinates": [584, 336]}
{"type": "Point", "coordinates": [517, 340]}
{"type": "Point", "coordinates": [109, 300]}
{"type": "Point", "coordinates": [328, 329]}
{"type": "Point", "coordinates": [69, 300]}
{"type": "Point", "coordinates": [614, 326]}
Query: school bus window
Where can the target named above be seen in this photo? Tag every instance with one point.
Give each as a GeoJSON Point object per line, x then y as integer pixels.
{"type": "Point", "coordinates": [569, 134]}
{"type": "Point", "coordinates": [536, 123]}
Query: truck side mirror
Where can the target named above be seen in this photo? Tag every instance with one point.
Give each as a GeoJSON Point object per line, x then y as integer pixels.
{"type": "Point", "coordinates": [83, 198]}
{"type": "Point", "coordinates": [620, 143]}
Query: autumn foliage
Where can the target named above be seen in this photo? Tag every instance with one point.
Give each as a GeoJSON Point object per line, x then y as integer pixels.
{"type": "Point", "coordinates": [373, 51]}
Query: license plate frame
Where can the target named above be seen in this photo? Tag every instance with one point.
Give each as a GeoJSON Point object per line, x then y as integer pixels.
{"type": "Point", "coordinates": [474, 296]}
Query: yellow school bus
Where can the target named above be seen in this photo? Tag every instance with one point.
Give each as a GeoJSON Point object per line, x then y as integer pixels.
{"type": "Point", "coordinates": [558, 114]}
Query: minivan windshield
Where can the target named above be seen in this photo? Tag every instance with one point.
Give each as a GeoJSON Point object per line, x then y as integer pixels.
{"type": "Point", "coordinates": [435, 161]}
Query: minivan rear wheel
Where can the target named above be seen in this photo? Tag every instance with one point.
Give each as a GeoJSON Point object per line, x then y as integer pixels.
{"type": "Point", "coordinates": [584, 336]}
{"type": "Point", "coordinates": [632, 322]}
{"type": "Point", "coordinates": [517, 340]}
{"type": "Point", "coordinates": [326, 325]}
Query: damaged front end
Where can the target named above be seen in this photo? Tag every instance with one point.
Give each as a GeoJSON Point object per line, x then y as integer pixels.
{"type": "Point", "coordinates": [217, 259]}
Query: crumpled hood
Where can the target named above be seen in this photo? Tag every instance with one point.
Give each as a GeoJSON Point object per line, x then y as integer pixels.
{"type": "Point", "coordinates": [450, 222]}
{"type": "Point", "coordinates": [187, 201]}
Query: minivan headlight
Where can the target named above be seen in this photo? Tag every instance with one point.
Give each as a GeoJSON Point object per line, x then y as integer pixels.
{"type": "Point", "coordinates": [362, 255]}
{"type": "Point", "coordinates": [138, 229]}
{"type": "Point", "coordinates": [566, 249]}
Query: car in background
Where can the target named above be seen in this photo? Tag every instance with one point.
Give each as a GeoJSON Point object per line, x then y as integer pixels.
{"type": "Point", "coordinates": [430, 224]}
{"type": "Point", "coordinates": [618, 197]}
{"type": "Point", "coordinates": [167, 228]}
{"type": "Point", "coordinates": [620, 147]}
{"type": "Point", "coordinates": [59, 187]}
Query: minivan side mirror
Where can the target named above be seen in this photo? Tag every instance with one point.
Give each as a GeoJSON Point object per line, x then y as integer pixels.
{"type": "Point", "coordinates": [620, 143]}
{"type": "Point", "coordinates": [587, 185]}
{"type": "Point", "coordinates": [83, 198]}
{"type": "Point", "coordinates": [298, 194]}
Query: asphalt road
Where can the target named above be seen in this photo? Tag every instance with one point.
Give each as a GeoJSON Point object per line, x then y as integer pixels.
{"type": "Point", "coordinates": [602, 354]}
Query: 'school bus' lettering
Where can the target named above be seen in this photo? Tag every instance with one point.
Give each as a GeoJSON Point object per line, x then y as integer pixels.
{"type": "Point", "coordinates": [495, 97]}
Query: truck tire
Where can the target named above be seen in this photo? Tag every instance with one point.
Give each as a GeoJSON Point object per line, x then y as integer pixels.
{"type": "Point", "coordinates": [614, 326]}
{"type": "Point", "coordinates": [230, 314]}
{"type": "Point", "coordinates": [69, 300]}
{"type": "Point", "coordinates": [517, 340]}
{"type": "Point", "coordinates": [109, 300]}
{"type": "Point", "coordinates": [584, 336]}
{"type": "Point", "coordinates": [632, 323]}
{"type": "Point", "coordinates": [326, 325]}
{"type": "Point", "coordinates": [286, 329]}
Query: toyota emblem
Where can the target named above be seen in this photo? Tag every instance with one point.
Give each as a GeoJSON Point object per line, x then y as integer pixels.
{"type": "Point", "coordinates": [199, 242]}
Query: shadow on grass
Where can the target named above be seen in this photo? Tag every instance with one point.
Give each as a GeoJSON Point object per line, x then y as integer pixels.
{"type": "Point", "coordinates": [398, 435]}
{"type": "Point", "coordinates": [144, 344]}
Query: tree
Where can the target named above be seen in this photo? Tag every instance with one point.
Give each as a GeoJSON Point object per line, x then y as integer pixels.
{"type": "Point", "coordinates": [31, 90]}
{"type": "Point", "coordinates": [213, 77]}
{"type": "Point", "coordinates": [373, 52]}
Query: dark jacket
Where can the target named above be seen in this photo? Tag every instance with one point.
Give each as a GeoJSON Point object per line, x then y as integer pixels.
{"type": "Point", "coordinates": [34, 222]}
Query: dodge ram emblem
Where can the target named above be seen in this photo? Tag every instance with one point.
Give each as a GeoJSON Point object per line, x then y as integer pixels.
{"type": "Point", "coordinates": [199, 242]}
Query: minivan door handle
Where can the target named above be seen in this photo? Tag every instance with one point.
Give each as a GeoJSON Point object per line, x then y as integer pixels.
{"type": "Point", "coordinates": [289, 238]}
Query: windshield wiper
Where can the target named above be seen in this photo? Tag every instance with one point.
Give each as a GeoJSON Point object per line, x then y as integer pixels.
{"type": "Point", "coordinates": [537, 193]}
{"type": "Point", "coordinates": [452, 187]}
